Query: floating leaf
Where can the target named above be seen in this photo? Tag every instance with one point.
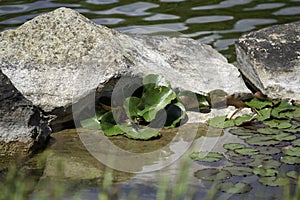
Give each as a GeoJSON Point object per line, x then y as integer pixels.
{"type": "Point", "coordinates": [109, 126]}
{"type": "Point", "coordinates": [262, 140]}
{"type": "Point", "coordinates": [91, 123]}
{"type": "Point", "coordinates": [212, 174]}
{"type": "Point", "coordinates": [231, 153]}
{"type": "Point", "coordinates": [238, 171]}
{"type": "Point", "coordinates": [296, 112]}
{"type": "Point", "coordinates": [290, 160]}
{"type": "Point", "coordinates": [292, 129]}
{"type": "Point", "coordinates": [207, 156]}
{"type": "Point", "coordinates": [231, 188]}
{"type": "Point", "coordinates": [284, 137]}
{"type": "Point", "coordinates": [294, 151]}
{"type": "Point", "coordinates": [269, 131]}
{"type": "Point", "coordinates": [246, 151]}
{"type": "Point", "coordinates": [217, 122]}
{"type": "Point", "coordinates": [280, 124]}
{"type": "Point", "coordinates": [261, 157]}
{"type": "Point", "coordinates": [264, 114]}
{"type": "Point", "coordinates": [139, 133]}
{"type": "Point", "coordinates": [242, 119]}
{"type": "Point", "coordinates": [268, 150]}
{"type": "Point", "coordinates": [296, 143]}
{"type": "Point", "coordinates": [260, 171]}
{"type": "Point", "coordinates": [266, 164]}
{"type": "Point", "coordinates": [284, 106]}
{"type": "Point", "coordinates": [233, 146]}
{"type": "Point", "coordinates": [242, 132]}
{"type": "Point", "coordinates": [240, 159]}
{"type": "Point", "coordinates": [274, 181]}
{"type": "Point", "coordinates": [259, 104]}
{"type": "Point", "coordinates": [292, 174]}
{"type": "Point", "coordinates": [244, 137]}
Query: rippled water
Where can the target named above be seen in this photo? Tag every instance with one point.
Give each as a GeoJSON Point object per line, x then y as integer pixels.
{"type": "Point", "coordinates": [215, 22]}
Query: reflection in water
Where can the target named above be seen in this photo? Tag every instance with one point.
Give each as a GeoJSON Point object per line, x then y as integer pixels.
{"type": "Point", "coordinates": [265, 6]}
{"type": "Point", "coordinates": [223, 4]}
{"type": "Point", "coordinates": [134, 9]}
{"type": "Point", "coordinates": [98, 2]}
{"type": "Point", "coordinates": [208, 19]}
{"type": "Point", "coordinates": [217, 23]}
{"type": "Point", "coordinates": [288, 11]}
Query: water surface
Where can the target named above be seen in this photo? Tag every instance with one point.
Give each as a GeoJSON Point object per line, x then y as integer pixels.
{"type": "Point", "coordinates": [218, 23]}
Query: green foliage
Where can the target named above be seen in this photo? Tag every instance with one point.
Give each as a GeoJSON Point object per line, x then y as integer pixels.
{"type": "Point", "coordinates": [233, 146]}
{"type": "Point", "coordinates": [139, 115]}
{"type": "Point", "coordinates": [277, 115]}
{"type": "Point", "coordinates": [206, 156]}
{"type": "Point", "coordinates": [212, 174]}
{"type": "Point", "coordinates": [238, 170]}
{"type": "Point", "coordinates": [234, 188]}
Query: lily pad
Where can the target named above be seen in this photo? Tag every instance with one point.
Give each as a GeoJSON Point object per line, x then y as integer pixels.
{"type": "Point", "coordinates": [259, 104]}
{"type": "Point", "coordinates": [233, 146]}
{"type": "Point", "coordinates": [246, 151]}
{"type": "Point", "coordinates": [242, 119]}
{"type": "Point", "coordinates": [296, 112]}
{"type": "Point", "coordinates": [284, 137]}
{"type": "Point", "coordinates": [264, 114]}
{"type": "Point", "coordinates": [292, 160]}
{"type": "Point", "coordinates": [217, 122]}
{"type": "Point", "coordinates": [296, 143]}
{"type": "Point", "coordinates": [292, 174]}
{"type": "Point", "coordinates": [240, 159]}
{"type": "Point", "coordinates": [294, 151]}
{"type": "Point", "coordinates": [206, 156]}
{"type": "Point", "coordinates": [268, 150]}
{"type": "Point", "coordinates": [238, 170]}
{"type": "Point", "coordinates": [274, 181]}
{"type": "Point", "coordinates": [234, 188]}
{"type": "Point", "coordinates": [262, 141]}
{"type": "Point", "coordinates": [280, 124]}
{"type": "Point", "coordinates": [212, 174]}
{"type": "Point", "coordinates": [269, 131]}
{"type": "Point", "coordinates": [266, 164]}
{"type": "Point", "coordinates": [284, 106]}
{"type": "Point", "coordinates": [242, 132]}
{"type": "Point", "coordinates": [260, 171]}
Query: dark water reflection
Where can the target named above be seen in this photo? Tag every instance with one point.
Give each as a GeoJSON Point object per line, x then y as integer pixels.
{"type": "Point", "coordinates": [218, 23]}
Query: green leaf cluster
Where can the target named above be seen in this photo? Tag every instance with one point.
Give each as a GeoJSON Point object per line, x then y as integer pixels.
{"type": "Point", "coordinates": [140, 115]}
{"type": "Point", "coordinates": [274, 114]}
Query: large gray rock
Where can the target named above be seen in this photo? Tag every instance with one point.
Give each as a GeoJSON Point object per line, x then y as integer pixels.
{"type": "Point", "coordinates": [21, 127]}
{"type": "Point", "coordinates": [57, 58]}
{"type": "Point", "coordinates": [270, 59]}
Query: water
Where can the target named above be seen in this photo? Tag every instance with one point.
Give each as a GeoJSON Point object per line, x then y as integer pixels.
{"type": "Point", "coordinates": [215, 22]}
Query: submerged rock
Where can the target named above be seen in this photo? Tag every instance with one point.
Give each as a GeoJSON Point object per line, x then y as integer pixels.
{"type": "Point", "coordinates": [270, 59]}
{"type": "Point", "coordinates": [21, 127]}
{"type": "Point", "coordinates": [57, 59]}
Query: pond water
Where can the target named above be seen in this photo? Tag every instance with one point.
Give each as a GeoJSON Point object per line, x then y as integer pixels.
{"type": "Point", "coordinates": [218, 23]}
